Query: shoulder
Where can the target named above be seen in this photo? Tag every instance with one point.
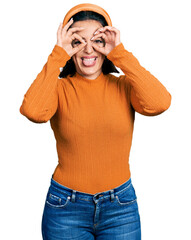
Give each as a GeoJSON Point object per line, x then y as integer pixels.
{"type": "Point", "coordinates": [121, 80]}
{"type": "Point", "coordinates": [114, 78]}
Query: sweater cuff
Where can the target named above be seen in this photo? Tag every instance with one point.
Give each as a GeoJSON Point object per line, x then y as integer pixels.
{"type": "Point", "coordinates": [60, 55]}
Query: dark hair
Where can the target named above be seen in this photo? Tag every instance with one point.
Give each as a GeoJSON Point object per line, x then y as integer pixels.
{"type": "Point", "coordinates": [107, 66]}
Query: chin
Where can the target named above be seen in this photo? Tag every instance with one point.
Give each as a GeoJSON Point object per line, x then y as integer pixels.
{"type": "Point", "coordinates": [90, 72]}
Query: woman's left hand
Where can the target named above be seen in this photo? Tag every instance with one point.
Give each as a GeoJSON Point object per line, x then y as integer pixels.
{"type": "Point", "coordinates": [110, 35]}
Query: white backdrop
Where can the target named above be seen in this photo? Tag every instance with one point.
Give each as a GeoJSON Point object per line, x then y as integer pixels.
{"type": "Point", "coordinates": [158, 34]}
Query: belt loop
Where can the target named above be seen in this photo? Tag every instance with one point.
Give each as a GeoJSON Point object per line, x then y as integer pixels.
{"type": "Point", "coordinates": [73, 195]}
{"type": "Point", "coordinates": [112, 195]}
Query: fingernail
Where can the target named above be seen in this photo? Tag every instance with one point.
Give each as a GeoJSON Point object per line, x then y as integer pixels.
{"type": "Point", "coordinates": [92, 38]}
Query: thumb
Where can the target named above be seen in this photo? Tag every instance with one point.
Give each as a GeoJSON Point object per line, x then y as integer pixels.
{"type": "Point", "coordinates": [99, 49]}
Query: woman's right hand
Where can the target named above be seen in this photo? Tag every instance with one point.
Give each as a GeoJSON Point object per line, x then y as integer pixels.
{"type": "Point", "coordinates": [65, 38]}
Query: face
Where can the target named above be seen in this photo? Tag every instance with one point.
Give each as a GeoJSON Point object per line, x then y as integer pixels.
{"type": "Point", "coordinates": [91, 68]}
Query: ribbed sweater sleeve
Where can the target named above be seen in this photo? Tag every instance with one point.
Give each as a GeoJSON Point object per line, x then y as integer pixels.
{"type": "Point", "coordinates": [147, 94]}
{"type": "Point", "coordinates": [41, 99]}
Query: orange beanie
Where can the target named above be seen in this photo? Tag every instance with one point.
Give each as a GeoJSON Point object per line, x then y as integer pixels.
{"type": "Point", "coordinates": [87, 7]}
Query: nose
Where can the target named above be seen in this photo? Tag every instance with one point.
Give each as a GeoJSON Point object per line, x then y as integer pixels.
{"type": "Point", "coordinates": [88, 47]}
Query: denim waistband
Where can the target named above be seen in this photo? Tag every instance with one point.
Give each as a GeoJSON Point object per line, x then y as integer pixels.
{"type": "Point", "coordinates": [88, 196]}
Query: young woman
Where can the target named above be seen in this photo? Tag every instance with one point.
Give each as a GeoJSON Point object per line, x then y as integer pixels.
{"type": "Point", "coordinates": [91, 111]}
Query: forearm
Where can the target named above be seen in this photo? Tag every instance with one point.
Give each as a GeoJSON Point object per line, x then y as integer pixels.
{"type": "Point", "coordinates": [148, 95]}
{"type": "Point", "coordinates": [41, 99]}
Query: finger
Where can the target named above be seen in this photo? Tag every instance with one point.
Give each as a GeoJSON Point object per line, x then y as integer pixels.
{"type": "Point", "coordinates": [99, 49]}
{"type": "Point", "coordinates": [109, 28]}
{"type": "Point", "coordinates": [103, 35]}
{"type": "Point", "coordinates": [99, 30]}
{"type": "Point", "coordinates": [110, 35]}
{"type": "Point", "coordinates": [59, 31]}
{"type": "Point", "coordinates": [76, 36]}
{"type": "Point", "coordinates": [67, 25]}
{"type": "Point", "coordinates": [74, 29]}
{"type": "Point", "coordinates": [78, 48]}
{"type": "Point", "coordinates": [59, 28]}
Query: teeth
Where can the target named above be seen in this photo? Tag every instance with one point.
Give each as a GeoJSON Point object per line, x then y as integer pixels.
{"type": "Point", "coordinates": [88, 59]}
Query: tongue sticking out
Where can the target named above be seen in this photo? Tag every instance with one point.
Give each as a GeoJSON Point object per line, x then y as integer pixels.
{"type": "Point", "coordinates": [89, 62]}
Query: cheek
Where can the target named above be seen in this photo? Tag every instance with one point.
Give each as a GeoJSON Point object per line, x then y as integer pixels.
{"type": "Point", "coordinates": [75, 60]}
{"type": "Point", "coordinates": [102, 59]}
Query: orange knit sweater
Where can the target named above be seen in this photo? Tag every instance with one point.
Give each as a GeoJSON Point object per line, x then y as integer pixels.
{"type": "Point", "coordinates": [93, 120]}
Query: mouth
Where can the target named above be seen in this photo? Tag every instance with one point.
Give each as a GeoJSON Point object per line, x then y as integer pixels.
{"type": "Point", "coordinates": [89, 62]}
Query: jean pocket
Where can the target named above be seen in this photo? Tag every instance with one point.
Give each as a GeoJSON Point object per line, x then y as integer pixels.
{"type": "Point", "coordinates": [56, 199]}
{"type": "Point", "coordinates": [127, 196]}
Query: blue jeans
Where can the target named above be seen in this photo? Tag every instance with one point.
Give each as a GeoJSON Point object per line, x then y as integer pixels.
{"type": "Point", "coordinates": [110, 215]}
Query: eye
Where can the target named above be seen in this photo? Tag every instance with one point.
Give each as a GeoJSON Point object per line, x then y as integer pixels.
{"type": "Point", "coordinates": [100, 42]}
{"type": "Point", "coordinates": [75, 43]}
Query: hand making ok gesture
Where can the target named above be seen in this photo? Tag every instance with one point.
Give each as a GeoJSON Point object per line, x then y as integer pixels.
{"type": "Point", "coordinates": [111, 36]}
{"type": "Point", "coordinates": [65, 37]}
